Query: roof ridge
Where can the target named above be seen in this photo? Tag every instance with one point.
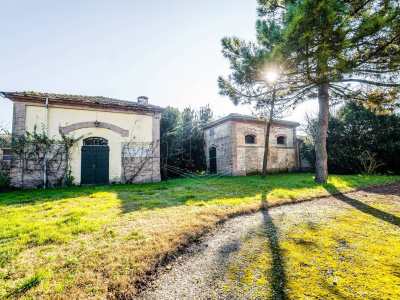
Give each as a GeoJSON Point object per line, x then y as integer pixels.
{"type": "Point", "coordinates": [82, 98]}
{"type": "Point", "coordinates": [233, 116]}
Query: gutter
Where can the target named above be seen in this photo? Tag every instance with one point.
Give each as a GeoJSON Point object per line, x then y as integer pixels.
{"type": "Point", "coordinates": [45, 155]}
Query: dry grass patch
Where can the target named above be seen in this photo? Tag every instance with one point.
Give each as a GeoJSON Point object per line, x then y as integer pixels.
{"type": "Point", "coordinates": [106, 241]}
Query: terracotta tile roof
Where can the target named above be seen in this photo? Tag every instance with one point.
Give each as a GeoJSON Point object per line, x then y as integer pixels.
{"type": "Point", "coordinates": [247, 118]}
{"type": "Point", "coordinates": [81, 98]}
{"type": "Point", "coordinates": [5, 140]}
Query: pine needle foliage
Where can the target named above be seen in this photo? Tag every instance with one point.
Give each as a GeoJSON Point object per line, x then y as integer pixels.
{"type": "Point", "coordinates": [335, 50]}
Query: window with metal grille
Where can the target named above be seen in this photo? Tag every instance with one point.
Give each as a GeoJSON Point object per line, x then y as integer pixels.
{"type": "Point", "coordinates": [250, 139]}
{"type": "Point", "coordinates": [280, 140]}
{"type": "Point", "coordinates": [95, 142]}
{"type": "Point", "coordinates": [6, 154]}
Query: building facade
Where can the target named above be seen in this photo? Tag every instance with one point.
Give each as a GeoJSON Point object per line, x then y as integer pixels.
{"type": "Point", "coordinates": [113, 136]}
{"type": "Point", "coordinates": [234, 145]}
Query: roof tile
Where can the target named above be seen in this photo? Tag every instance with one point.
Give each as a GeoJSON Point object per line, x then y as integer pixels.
{"type": "Point", "coordinates": [82, 98]}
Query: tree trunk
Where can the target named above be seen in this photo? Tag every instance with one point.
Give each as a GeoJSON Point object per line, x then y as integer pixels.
{"type": "Point", "coordinates": [321, 156]}
{"type": "Point", "coordinates": [266, 144]}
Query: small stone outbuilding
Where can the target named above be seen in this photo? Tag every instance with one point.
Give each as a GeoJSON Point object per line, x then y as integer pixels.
{"type": "Point", "coordinates": [234, 145]}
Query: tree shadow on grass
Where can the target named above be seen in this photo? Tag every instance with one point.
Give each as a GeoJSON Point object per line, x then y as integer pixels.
{"type": "Point", "coordinates": [277, 279]}
{"type": "Point", "coordinates": [277, 274]}
{"type": "Point", "coordinates": [365, 208]}
{"type": "Point", "coordinates": [389, 190]}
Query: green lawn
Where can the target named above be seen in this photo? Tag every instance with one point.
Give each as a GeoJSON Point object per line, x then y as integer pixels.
{"type": "Point", "coordinates": [319, 250]}
{"type": "Point", "coordinates": [104, 241]}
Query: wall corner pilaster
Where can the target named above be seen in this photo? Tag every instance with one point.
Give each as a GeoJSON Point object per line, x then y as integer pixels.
{"type": "Point", "coordinates": [156, 170]}
{"type": "Point", "coordinates": [234, 148]}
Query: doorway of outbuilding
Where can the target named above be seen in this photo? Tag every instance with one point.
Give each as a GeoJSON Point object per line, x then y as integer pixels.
{"type": "Point", "coordinates": [213, 160]}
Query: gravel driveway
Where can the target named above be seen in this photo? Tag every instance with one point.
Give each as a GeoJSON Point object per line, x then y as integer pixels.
{"type": "Point", "coordinates": [201, 272]}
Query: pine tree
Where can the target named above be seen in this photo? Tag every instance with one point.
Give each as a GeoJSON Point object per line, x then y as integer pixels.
{"type": "Point", "coordinates": [257, 79]}
{"type": "Point", "coordinates": [338, 49]}
{"type": "Point", "coordinates": [335, 50]}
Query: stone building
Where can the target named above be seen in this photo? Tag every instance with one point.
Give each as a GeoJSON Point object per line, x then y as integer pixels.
{"type": "Point", "coordinates": [114, 136]}
{"type": "Point", "coordinates": [234, 145]}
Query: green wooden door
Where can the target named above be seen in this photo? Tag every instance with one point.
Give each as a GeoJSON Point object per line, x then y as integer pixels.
{"type": "Point", "coordinates": [95, 165]}
{"type": "Point", "coordinates": [102, 165]}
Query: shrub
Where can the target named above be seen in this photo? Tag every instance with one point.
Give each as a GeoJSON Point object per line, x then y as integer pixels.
{"type": "Point", "coordinates": [4, 182]}
{"type": "Point", "coordinates": [359, 138]}
{"type": "Point", "coordinates": [69, 179]}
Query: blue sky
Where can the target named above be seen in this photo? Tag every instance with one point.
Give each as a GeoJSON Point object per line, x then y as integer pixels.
{"type": "Point", "coordinates": [169, 51]}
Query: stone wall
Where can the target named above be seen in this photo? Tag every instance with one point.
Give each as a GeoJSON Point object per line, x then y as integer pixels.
{"type": "Point", "coordinates": [219, 137]}
{"type": "Point", "coordinates": [137, 165]}
{"type": "Point", "coordinates": [28, 172]}
{"type": "Point", "coordinates": [283, 158]}
{"type": "Point", "coordinates": [142, 162]}
{"type": "Point", "coordinates": [156, 170]}
{"type": "Point", "coordinates": [248, 157]}
{"type": "Point", "coordinates": [235, 157]}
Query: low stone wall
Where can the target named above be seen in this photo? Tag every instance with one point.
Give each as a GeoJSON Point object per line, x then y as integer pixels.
{"type": "Point", "coordinates": [33, 176]}
{"type": "Point", "coordinates": [140, 164]}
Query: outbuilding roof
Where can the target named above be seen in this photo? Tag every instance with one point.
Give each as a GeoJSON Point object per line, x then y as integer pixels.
{"type": "Point", "coordinates": [246, 118]}
{"type": "Point", "coordinates": [71, 99]}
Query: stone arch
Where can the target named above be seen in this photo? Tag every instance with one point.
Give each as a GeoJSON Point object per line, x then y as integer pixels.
{"type": "Point", "coordinates": [67, 129]}
{"type": "Point", "coordinates": [252, 134]}
{"type": "Point", "coordinates": [250, 139]}
{"type": "Point", "coordinates": [281, 139]}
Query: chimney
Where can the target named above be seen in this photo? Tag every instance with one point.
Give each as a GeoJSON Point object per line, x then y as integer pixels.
{"type": "Point", "coordinates": [143, 100]}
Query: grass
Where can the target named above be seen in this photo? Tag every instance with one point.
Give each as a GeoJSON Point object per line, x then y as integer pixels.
{"type": "Point", "coordinates": [320, 252]}
{"type": "Point", "coordinates": [105, 241]}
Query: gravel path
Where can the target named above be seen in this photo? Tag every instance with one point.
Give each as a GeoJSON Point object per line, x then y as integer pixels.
{"type": "Point", "coordinates": [191, 276]}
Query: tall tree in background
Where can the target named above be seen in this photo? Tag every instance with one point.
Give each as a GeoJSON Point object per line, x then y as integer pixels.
{"type": "Point", "coordinates": [169, 127]}
{"type": "Point", "coordinates": [182, 141]}
{"type": "Point", "coordinates": [358, 137]}
{"type": "Point", "coordinates": [337, 50]}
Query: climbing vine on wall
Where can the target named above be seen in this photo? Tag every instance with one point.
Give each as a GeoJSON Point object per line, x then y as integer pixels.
{"type": "Point", "coordinates": [39, 159]}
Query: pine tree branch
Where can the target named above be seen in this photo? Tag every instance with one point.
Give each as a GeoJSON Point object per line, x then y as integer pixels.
{"type": "Point", "coordinates": [376, 71]}
{"type": "Point", "coordinates": [380, 49]}
{"type": "Point", "coordinates": [369, 82]}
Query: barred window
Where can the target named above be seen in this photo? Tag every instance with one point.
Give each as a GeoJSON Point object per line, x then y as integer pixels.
{"type": "Point", "coordinates": [6, 154]}
{"type": "Point", "coordinates": [250, 139]}
{"type": "Point", "coordinates": [280, 140]}
{"type": "Point", "coordinates": [95, 142]}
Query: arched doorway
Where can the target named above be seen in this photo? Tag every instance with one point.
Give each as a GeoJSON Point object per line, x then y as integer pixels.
{"type": "Point", "coordinates": [213, 160]}
{"type": "Point", "coordinates": [95, 161]}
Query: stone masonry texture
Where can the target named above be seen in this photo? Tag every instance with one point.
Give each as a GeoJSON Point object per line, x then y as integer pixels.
{"type": "Point", "coordinates": [235, 157]}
